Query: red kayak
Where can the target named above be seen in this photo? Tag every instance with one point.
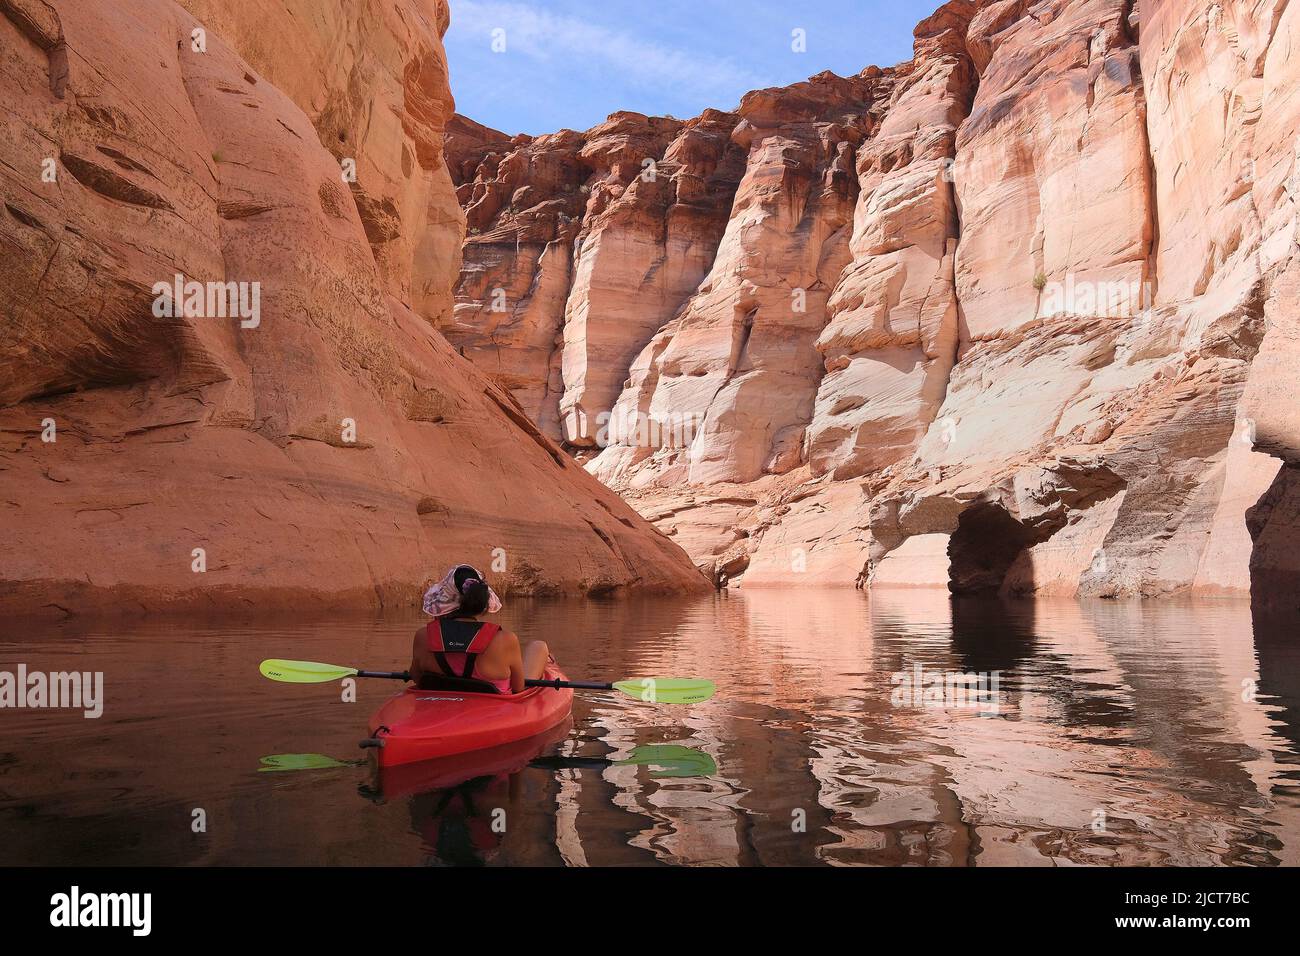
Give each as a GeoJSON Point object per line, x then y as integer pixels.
{"type": "Point", "coordinates": [426, 724]}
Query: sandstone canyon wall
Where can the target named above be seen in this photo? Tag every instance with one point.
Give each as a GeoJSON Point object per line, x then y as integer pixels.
{"type": "Point", "coordinates": [1017, 315]}
{"type": "Point", "coordinates": [328, 447]}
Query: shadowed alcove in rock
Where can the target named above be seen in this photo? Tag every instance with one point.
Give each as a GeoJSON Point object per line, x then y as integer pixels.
{"type": "Point", "coordinates": [1274, 525]}
{"type": "Point", "coordinates": [987, 542]}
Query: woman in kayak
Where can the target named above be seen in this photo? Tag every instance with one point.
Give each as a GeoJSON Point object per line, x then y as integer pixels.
{"type": "Point", "coordinates": [457, 644]}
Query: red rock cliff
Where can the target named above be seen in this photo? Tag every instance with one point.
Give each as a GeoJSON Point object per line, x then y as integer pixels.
{"type": "Point", "coordinates": [1016, 315]}
{"type": "Point", "coordinates": [325, 444]}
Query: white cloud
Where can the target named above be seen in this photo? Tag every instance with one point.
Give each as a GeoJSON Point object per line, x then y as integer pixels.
{"type": "Point", "coordinates": [545, 37]}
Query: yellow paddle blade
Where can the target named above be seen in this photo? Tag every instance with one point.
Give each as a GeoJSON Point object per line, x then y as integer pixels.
{"type": "Point", "coordinates": [668, 690]}
{"type": "Point", "coordinates": [303, 672]}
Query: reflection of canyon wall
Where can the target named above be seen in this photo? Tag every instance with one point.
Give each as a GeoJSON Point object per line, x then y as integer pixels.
{"type": "Point", "coordinates": [1018, 314]}
{"type": "Point", "coordinates": [336, 448]}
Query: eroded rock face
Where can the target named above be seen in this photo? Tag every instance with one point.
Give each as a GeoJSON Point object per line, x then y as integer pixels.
{"type": "Point", "coordinates": [1052, 163]}
{"type": "Point", "coordinates": [517, 258]}
{"type": "Point", "coordinates": [891, 338]}
{"type": "Point", "coordinates": [1049, 336]}
{"type": "Point", "coordinates": [580, 246]}
{"type": "Point", "coordinates": [734, 376]}
{"type": "Point", "coordinates": [371, 75]}
{"type": "Point", "coordinates": [322, 444]}
{"type": "Point", "coordinates": [659, 198]}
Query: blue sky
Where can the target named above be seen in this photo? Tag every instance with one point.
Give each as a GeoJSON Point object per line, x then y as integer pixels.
{"type": "Point", "coordinates": [570, 63]}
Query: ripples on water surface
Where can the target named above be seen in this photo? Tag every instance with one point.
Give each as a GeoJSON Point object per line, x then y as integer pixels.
{"type": "Point", "coordinates": [1128, 733]}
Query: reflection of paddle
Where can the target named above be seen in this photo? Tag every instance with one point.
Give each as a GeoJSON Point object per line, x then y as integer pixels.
{"type": "Point", "coordinates": [651, 690]}
{"type": "Point", "coordinates": [672, 759]}
{"type": "Point", "coordinates": [304, 762]}
{"type": "Point", "coordinates": [676, 761]}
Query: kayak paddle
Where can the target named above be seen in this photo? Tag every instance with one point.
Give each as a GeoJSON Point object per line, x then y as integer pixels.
{"type": "Point", "coordinates": [310, 672]}
{"type": "Point", "coordinates": [653, 690]}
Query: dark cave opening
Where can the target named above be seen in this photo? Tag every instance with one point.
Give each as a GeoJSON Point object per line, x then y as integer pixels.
{"type": "Point", "coordinates": [988, 540]}
{"type": "Point", "coordinates": [1274, 525]}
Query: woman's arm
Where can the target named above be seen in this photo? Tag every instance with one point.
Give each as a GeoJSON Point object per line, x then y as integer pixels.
{"type": "Point", "coordinates": [415, 669]}
{"type": "Point", "coordinates": [509, 642]}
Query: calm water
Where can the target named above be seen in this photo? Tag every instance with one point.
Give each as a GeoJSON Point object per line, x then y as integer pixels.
{"type": "Point", "coordinates": [1126, 733]}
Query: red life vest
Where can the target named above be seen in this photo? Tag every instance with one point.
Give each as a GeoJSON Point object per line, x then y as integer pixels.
{"type": "Point", "coordinates": [466, 639]}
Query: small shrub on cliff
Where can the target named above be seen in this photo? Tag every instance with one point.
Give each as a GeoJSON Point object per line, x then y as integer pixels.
{"type": "Point", "coordinates": [1040, 280]}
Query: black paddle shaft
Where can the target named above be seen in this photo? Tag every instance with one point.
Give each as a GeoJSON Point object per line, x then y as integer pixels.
{"type": "Point", "coordinates": [575, 684]}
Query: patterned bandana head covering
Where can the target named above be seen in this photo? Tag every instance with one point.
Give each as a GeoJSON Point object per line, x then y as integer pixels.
{"type": "Point", "coordinates": [444, 597]}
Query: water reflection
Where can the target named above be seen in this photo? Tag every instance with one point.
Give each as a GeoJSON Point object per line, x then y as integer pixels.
{"type": "Point", "coordinates": [1161, 733]}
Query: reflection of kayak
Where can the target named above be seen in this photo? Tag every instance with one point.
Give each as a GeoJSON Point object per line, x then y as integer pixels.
{"type": "Point", "coordinates": [663, 761]}
{"type": "Point", "coordinates": [417, 725]}
{"type": "Point", "coordinates": [442, 773]}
